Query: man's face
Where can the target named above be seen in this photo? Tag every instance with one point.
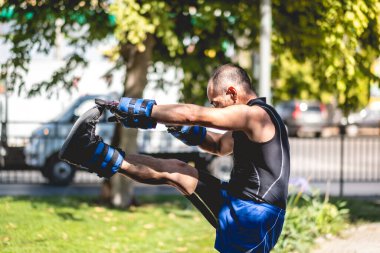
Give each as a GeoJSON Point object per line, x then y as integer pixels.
{"type": "Point", "coordinates": [218, 98]}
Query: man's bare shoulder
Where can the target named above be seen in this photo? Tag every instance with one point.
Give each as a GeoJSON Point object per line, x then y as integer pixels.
{"type": "Point", "coordinates": [260, 125]}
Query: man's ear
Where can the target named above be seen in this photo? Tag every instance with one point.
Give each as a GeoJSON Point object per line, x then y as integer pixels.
{"type": "Point", "coordinates": [232, 92]}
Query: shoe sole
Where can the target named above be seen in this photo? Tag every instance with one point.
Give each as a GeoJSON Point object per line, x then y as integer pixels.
{"type": "Point", "coordinates": [72, 145]}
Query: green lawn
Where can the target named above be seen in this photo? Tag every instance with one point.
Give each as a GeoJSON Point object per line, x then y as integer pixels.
{"type": "Point", "coordinates": [160, 224]}
{"type": "Point", "coordinates": [75, 225]}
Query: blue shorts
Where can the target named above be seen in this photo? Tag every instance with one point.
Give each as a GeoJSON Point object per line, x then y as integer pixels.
{"type": "Point", "coordinates": [247, 226]}
{"type": "Point", "coordinates": [241, 225]}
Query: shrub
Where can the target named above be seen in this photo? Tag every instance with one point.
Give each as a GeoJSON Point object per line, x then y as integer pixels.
{"type": "Point", "coordinates": [307, 218]}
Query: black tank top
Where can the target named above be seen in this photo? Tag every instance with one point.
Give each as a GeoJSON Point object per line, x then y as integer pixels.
{"type": "Point", "coordinates": [261, 170]}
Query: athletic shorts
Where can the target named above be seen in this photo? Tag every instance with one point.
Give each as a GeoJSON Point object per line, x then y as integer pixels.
{"type": "Point", "coordinates": [241, 225]}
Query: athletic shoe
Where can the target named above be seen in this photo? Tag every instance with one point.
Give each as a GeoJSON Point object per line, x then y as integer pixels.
{"type": "Point", "coordinates": [86, 150]}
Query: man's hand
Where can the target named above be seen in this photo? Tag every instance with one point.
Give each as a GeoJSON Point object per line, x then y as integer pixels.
{"type": "Point", "coordinates": [131, 112]}
{"type": "Point", "coordinates": [190, 135]}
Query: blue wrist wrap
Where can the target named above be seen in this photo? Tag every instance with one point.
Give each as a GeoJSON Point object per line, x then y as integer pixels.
{"type": "Point", "coordinates": [190, 135]}
{"type": "Point", "coordinates": [106, 160]}
{"type": "Point", "coordinates": [139, 112]}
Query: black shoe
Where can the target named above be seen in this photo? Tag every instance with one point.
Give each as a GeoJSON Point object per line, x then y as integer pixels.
{"type": "Point", "coordinates": [86, 150]}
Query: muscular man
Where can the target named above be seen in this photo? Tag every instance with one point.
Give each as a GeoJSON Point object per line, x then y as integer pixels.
{"type": "Point", "coordinates": [248, 211]}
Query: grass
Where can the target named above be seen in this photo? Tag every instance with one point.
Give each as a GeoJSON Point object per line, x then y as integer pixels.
{"type": "Point", "coordinates": [75, 225]}
{"type": "Point", "coordinates": [160, 224]}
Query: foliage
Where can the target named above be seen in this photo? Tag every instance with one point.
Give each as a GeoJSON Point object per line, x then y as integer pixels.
{"type": "Point", "coordinates": [136, 20]}
{"type": "Point", "coordinates": [208, 30]}
{"type": "Point", "coordinates": [361, 209]}
{"type": "Point", "coordinates": [295, 80]}
{"type": "Point", "coordinates": [335, 41]}
{"type": "Point", "coordinates": [191, 35]}
{"type": "Point", "coordinates": [308, 217]}
{"type": "Point", "coordinates": [339, 38]}
{"type": "Point", "coordinates": [34, 26]}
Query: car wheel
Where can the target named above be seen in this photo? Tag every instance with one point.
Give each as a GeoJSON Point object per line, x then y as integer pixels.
{"type": "Point", "coordinates": [59, 172]}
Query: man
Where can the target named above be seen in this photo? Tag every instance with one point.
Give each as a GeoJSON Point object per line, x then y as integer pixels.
{"type": "Point", "coordinates": [248, 211]}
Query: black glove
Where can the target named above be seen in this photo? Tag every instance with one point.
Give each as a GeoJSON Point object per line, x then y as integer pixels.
{"type": "Point", "coordinates": [190, 135]}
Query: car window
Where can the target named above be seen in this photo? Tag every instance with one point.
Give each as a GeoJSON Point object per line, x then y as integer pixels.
{"type": "Point", "coordinates": [314, 108]}
{"type": "Point", "coordinates": [83, 107]}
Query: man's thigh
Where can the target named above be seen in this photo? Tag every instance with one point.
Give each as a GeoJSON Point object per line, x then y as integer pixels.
{"type": "Point", "coordinates": [207, 197]}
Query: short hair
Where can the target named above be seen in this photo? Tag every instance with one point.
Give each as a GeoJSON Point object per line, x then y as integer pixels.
{"type": "Point", "coordinates": [231, 73]}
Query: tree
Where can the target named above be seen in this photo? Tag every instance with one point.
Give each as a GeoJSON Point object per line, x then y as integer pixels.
{"type": "Point", "coordinates": [192, 35]}
{"type": "Point", "coordinates": [34, 26]}
{"type": "Point", "coordinates": [338, 39]}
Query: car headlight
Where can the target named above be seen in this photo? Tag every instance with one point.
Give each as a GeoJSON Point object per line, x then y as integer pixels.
{"type": "Point", "coordinates": [45, 131]}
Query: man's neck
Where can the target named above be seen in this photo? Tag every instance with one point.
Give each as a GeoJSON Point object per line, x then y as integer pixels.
{"type": "Point", "coordinates": [249, 97]}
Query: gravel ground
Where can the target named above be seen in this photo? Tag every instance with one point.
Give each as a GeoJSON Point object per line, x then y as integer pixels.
{"type": "Point", "coordinates": [364, 238]}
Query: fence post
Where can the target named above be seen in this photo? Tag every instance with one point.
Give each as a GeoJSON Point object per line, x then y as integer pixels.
{"type": "Point", "coordinates": [342, 133]}
{"type": "Point", "coordinates": [3, 134]}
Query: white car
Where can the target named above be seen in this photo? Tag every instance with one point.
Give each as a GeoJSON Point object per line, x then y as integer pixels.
{"type": "Point", "coordinates": [42, 150]}
{"type": "Point", "coordinates": [365, 120]}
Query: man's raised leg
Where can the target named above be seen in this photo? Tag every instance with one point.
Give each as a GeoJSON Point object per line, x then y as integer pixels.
{"type": "Point", "coordinates": [202, 189]}
{"type": "Point", "coordinates": [155, 171]}
{"type": "Point", "coordinates": [87, 150]}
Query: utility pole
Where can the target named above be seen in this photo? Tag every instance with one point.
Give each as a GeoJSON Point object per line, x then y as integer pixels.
{"type": "Point", "coordinates": [4, 119]}
{"type": "Point", "coordinates": [5, 127]}
{"type": "Point", "coordinates": [265, 50]}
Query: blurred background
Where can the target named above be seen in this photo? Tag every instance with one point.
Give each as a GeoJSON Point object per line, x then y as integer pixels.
{"type": "Point", "coordinates": [316, 62]}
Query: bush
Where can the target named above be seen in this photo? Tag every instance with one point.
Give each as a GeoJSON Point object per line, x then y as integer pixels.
{"type": "Point", "coordinates": [307, 218]}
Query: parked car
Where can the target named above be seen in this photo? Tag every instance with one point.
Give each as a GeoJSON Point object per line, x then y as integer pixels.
{"type": "Point", "coordinates": [303, 118]}
{"type": "Point", "coordinates": [367, 118]}
{"type": "Point", "coordinates": [44, 144]}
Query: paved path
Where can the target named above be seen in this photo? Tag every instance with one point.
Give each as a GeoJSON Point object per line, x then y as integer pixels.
{"type": "Point", "coordinates": [43, 189]}
{"type": "Point", "coordinates": [75, 189]}
{"type": "Point", "coordinates": [363, 238]}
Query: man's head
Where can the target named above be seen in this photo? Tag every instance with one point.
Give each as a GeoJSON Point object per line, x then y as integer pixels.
{"type": "Point", "coordinates": [228, 85]}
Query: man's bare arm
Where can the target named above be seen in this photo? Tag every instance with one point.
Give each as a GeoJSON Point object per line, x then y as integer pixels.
{"type": "Point", "coordinates": [218, 144]}
{"type": "Point", "coordinates": [253, 121]}
{"type": "Point", "coordinates": [229, 118]}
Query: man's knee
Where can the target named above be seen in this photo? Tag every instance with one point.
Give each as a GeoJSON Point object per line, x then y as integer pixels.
{"type": "Point", "coordinates": [181, 175]}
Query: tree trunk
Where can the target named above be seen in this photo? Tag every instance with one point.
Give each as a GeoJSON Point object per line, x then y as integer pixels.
{"type": "Point", "coordinates": [137, 63]}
